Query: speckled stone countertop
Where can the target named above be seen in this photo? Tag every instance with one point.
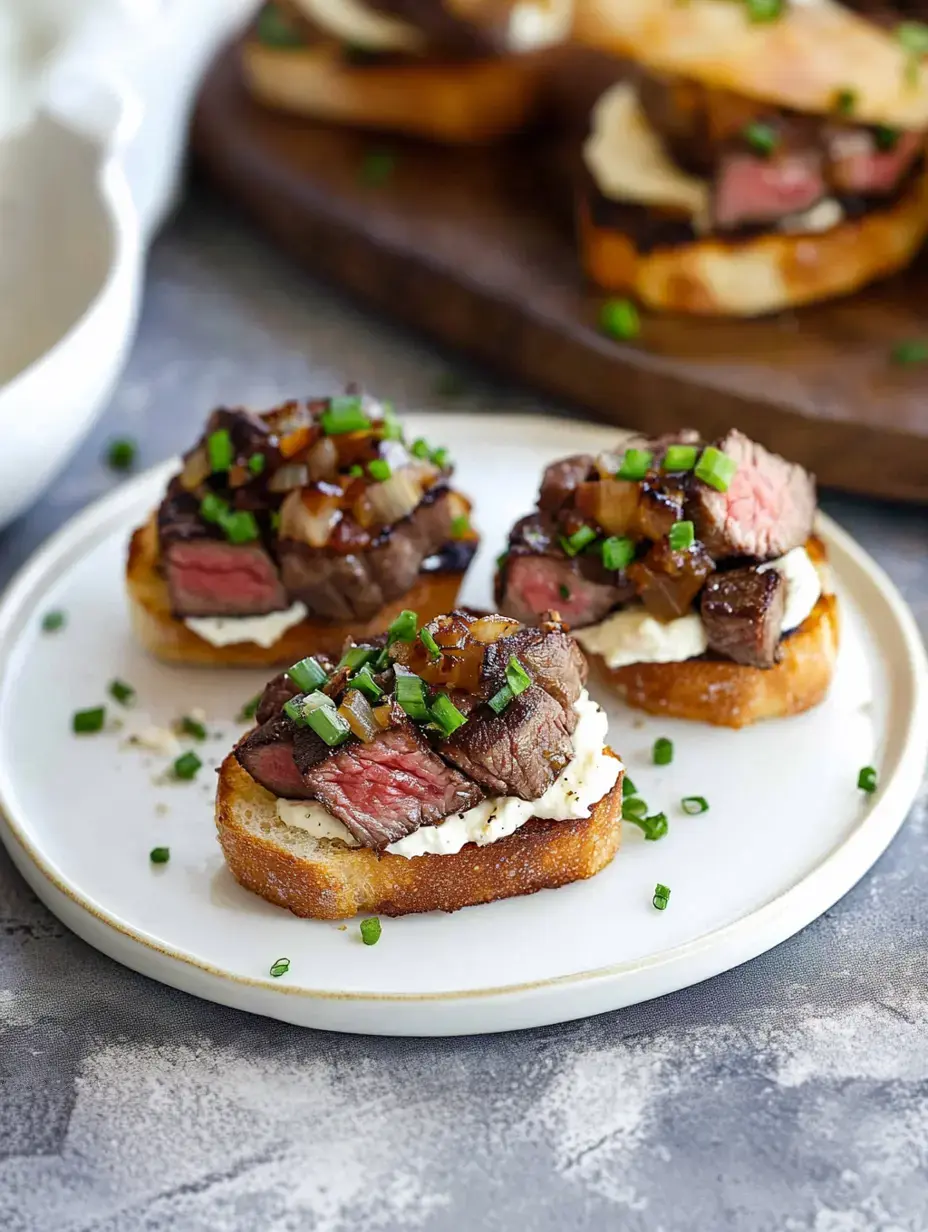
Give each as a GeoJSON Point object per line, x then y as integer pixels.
{"type": "Point", "coordinates": [791, 1093]}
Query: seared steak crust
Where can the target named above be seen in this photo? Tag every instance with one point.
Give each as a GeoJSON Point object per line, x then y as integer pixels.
{"type": "Point", "coordinates": [742, 611]}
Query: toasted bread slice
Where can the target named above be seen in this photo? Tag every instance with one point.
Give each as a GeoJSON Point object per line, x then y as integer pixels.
{"type": "Point", "coordinates": [748, 277]}
{"type": "Point", "coordinates": [325, 879]}
{"type": "Point", "coordinates": [466, 102]}
{"type": "Point", "coordinates": [168, 638]}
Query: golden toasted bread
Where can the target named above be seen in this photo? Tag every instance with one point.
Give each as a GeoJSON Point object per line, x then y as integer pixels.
{"type": "Point", "coordinates": [170, 639]}
{"type": "Point", "coordinates": [325, 879]}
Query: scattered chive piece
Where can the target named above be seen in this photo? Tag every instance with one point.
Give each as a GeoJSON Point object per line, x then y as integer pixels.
{"type": "Point", "coordinates": [635, 463]}
{"type": "Point", "coordinates": [403, 629]}
{"type": "Point", "coordinates": [121, 692]}
{"type": "Point", "coordinates": [326, 722]}
{"type": "Point", "coordinates": [257, 463]}
{"type": "Point", "coordinates": [617, 552]}
{"type": "Point", "coordinates": [694, 805]}
{"type": "Point", "coordinates": [886, 138]}
{"type": "Point", "coordinates": [654, 827]}
{"type": "Point", "coordinates": [293, 709]}
{"type": "Point", "coordinates": [715, 468]}
{"type": "Point", "coordinates": [867, 780]}
{"type": "Point", "coordinates": [446, 714]}
{"type": "Point", "coordinates": [120, 454]}
{"type": "Point", "coordinates": [762, 138]}
{"type": "Point", "coordinates": [619, 319]}
{"type": "Point", "coordinates": [499, 701]}
{"type": "Point", "coordinates": [634, 809]}
{"type": "Point", "coordinates": [379, 470]}
{"type": "Point", "coordinates": [412, 697]}
{"type": "Point", "coordinates": [371, 930]}
{"type": "Point", "coordinates": [239, 526]}
{"type": "Point", "coordinates": [564, 591]}
{"type": "Point", "coordinates": [764, 10]}
{"type": "Point", "coordinates": [186, 766]}
{"type": "Point", "coordinates": [439, 457]}
{"type": "Point", "coordinates": [213, 508]}
{"type": "Point", "coordinates": [913, 35]}
{"type": "Point", "coordinates": [274, 30]}
{"type": "Point", "coordinates": [344, 415]}
{"type": "Point", "coordinates": [280, 967]}
{"type": "Point", "coordinates": [377, 167]}
{"type": "Point", "coordinates": [53, 621]}
{"type": "Point", "coordinates": [420, 448]}
{"type": "Point", "coordinates": [356, 471]}
{"type": "Point", "coordinates": [662, 751]}
{"type": "Point", "coordinates": [355, 658]}
{"type": "Point", "coordinates": [364, 681]}
{"type": "Point", "coordinates": [308, 674]}
{"type": "Point", "coordinates": [159, 855]}
{"type": "Point", "coordinates": [86, 721]}
{"type": "Point", "coordinates": [219, 450]}
{"type": "Point", "coordinates": [392, 428]}
{"type": "Point", "coordinates": [682, 536]}
{"type": "Point", "coordinates": [249, 709]}
{"type": "Point", "coordinates": [429, 643]}
{"type": "Point", "coordinates": [845, 102]}
{"type": "Point", "coordinates": [275, 519]}
{"type": "Point", "coordinates": [572, 544]}
{"type": "Point", "coordinates": [460, 526]}
{"type": "Point", "coordinates": [661, 897]}
{"type": "Point", "coordinates": [628, 787]}
{"type": "Point", "coordinates": [910, 351]}
{"type": "Point", "coordinates": [192, 727]}
{"type": "Point", "coordinates": [679, 458]}
{"type": "Point", "coordinates": [517, 678]}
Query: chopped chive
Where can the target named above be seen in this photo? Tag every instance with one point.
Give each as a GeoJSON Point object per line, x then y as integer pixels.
{"type": "Point", "coordinates": [439, 457]}
{"type": "Point", "coordinates": [53, 621]}
{"type": "Point", "coordinates": [617, 552]}
{"type": "Point", "coordinates": [762, 138]}
{"type": "Point", "coordinates": [326, 722]}
{"type": "Point", "coordinates": [867, 780]}
{"type": "Point", "coordinates": [213, 508]}
{"type": "Point", "coordinates": [715, 468]}
{"type": "Point", "coordinates": [355, 658]}
{"type": "Point", "coordinates": [679, 458]}
{"type": "Point", "coordinates": [308, 674]}
{"type": "Point", "coordinates": [192, 727]}
{"type": "Point", "coordinates": [429, 643]}
{"type": "Point", "coordinates": [403, 629]}
{"type": "Point", "coordinates": [446, 714]}
{"type": "Point", "coordinates": [370, 930]}
{"type": "Point", "coordinates": [913, 36]}
{"type": "Point", "coordinates": [764, 10]}
{"type": "Point", "coordinates": [499, 701]}
{"type": "Point", "coordinates": [563, 591]}
{"type": "Point", "coordinates": [275, 519]}
{"type": "Point", "coordinates": [274, 30]}
{"type": "Point", "coordinates": [239, 526]}
{"type": "Point", "coordinates": [186, 766]}
{"type": "Point", "coordinates": [121, 692]}
{"type": "Point", "coordinates": [634, 809]}
{"type": "Point", "coordinates": [280, 967]}
{"type": "Point", "coordinates": [219, 450]}
{"type": "Point", "coordinates": [886, 138]}
{"type": "Point", "coordinates": [392, 429]}
{"type": "Point", "coordinates": [628, 787]}
{"type": "Point", "coordinates": [293, 709]}
{"type": "Point", "coordinates": [420, 448]}
{"type": "Point", "coordinates": [619, 319]}
{"type": "Point", "coordinates": [356, 471]}
{"type": "Point", "coordinates": [635, 463]}
{"type": "Point", "coordinates": [249, 709]}
{"type": "Point", "coordinates": [909, 352]}
{"type": "Point", "coordinates": [364, 681]}
{"type": "Point", "coordinates": [120, 454]}
{"type": "Point", "coordinates": [682, 536]}
{"type": "Point", "coordinates": [653, 827]}
{"type": "Point", "coordinates": [412, 697]}
{"type": "Point", "coordinates": [377, 167]}
{"type": "Point", "coordinates": [379, 470]}
{"type": "Point", "coordinates": [662, 752]}
{"type": "Point", "coordinates": [845, 102]}
{"type": "Point", "coordinates": [86, 721]}
{"type": "Point", "coordinates": [694, 805]}
{"type": "Point", "coordinates": [344, 415]}
{"type": "Point", "coordinates": [661, 897]}
{"type": "Point", "coordinates": [257, 463]}
{"type": "Point", "coordinates": [517, 678]}
{"type": "Point", "coordinates": [572, 544]}
{"type": "Point", "coordinates": [460, 526]}
{"type": "Point", "coordinates": [159, 855]}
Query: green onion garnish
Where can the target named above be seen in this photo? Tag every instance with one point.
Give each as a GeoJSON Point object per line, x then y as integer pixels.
{"type": "Point", "coordinates": [325, 720]}
{"type": "Point", "coordinates": [572, 544]}
{"type": "Point", "coordinates": [439, 457]}
{"type": "Point", "coordinates": [446, 714]}
{"type": "Point", "coordinates": [392, 428]}
{"type": "Point", "coordinates": [682, 536]}
{"type": "Point", "coordinates": [356, 657]}
{"type": "Point", "coordinates": [213, 508]}
{"type": "Point", "coordinates": [219, 449]}
{"type": "Point", "coordinates": [679, 458]}
{"type": "Point", "coordinates": [403, 629]}
{"type": "Point", "coordinates": [634, 809]}
{"type": "Point", "coordinates": [913, 36]}
{"type": "Point", "coordinates": [121, 692]}
{"type": "Point", "coordinates": [364, 681]}
{"type": "Point", "coordinates": [845, 102]}
{"type": "Point", "coordinates": [293, 709]}
{"type": "Point", "coordinates": [517, 678]}
{"type": "Point", "coordinates": [886, 138]}
{"type": "Point", "coordinates": [763, 138]}
{"type": "Point", "coordinates": [867, 780]}
{"type": "Point", "coordinates": [617, 552]}
{"type": "Point", "coordinates": [764, 10]}
{"type": "Point", "coordinates": [53, 621]}
{"type": "Point", "coordinates": [192, 727]}
{"type": "Point", "coordinates": [429, 643]}
{"type": "Point", "coordinates": [186, 766]}
{"type": "Point", "coordinates": [635, 463]}
{"type": "Point", "coordinates": [628, 787]}
{"type": "Point", "coordinates": [564, 591]}
{"type": "Point", "coordinates": [661, 897]}
{"type": "Point", "coordinates": [159, 855]}
{"type": "Point", "coordinates": [120, 454]}
{"type": "Point", "coordinates": [420, 448]}
{"type": "Point", "coordinates": [344, 415]}
{"type": "Point", "coordinates": [274, 30]}
{"type": "Point", "coordinates": [86, 721]}
{"type": "Point", "coordinates": [257, 463]}
{"type": "Point", "coordinates": [662, 752]}
{"type": "Point", "coordinates": [460, 526]}
{"type": "Point", "coordinates": [377, 167]}
{"type": "Point", "coordinates": [308, 674]}
{"type": "Point", "coordinates": [654, 827]}
{"type": "Point", "coordinates": [250, 708]}
{"type": "Point", "coordinates": [370, 930]}
{"type": "Point", "coordinates": [379, 470]}
{"type": "Point", "coordinates": [356, 471]}
{"type": "Point", "coordinates": [619, 319]}
{"type": "Point", "coordinates": [239, 526]}
{"type": "Point", "coordinates": [909, 352]}
{"type": "Point", "coordinates": [280, 967]}
{"type": "Point", "coordinates": [715, 468]}
{"type": "Point", "coordinates": [412, 696]}
{"type": "Point", "coordinates": [694, 805]}
{"type": "Point", "coordinates": [499, 701]}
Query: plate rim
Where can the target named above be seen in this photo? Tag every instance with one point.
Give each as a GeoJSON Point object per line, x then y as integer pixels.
{"type": "Point", "coordinates": [881, 822]}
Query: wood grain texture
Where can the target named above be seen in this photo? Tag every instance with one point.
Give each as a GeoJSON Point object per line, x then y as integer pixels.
{"type": "Point", "coordinates": [474, 248]}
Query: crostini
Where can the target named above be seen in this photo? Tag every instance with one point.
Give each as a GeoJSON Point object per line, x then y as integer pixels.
{"type": "Point", "coordinates": [431, 769]}
{"type": "Point", "coordinates": [689, 571]}
{"type": "Point", "coordinates": [286, 532]}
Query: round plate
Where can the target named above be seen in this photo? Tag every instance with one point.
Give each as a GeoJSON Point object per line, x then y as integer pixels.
{"type": "Point", "coordinates": [787, 833]}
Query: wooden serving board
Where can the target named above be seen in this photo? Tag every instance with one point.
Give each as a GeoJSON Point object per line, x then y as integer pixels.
{"type": "Point", "coordinates": [475, 249]}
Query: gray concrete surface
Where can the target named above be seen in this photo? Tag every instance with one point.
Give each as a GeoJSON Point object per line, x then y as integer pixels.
{"type": "Point", "coordinates": [790, 1094]}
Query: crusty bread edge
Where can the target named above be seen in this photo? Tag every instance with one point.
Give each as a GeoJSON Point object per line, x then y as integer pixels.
{"type": "Point", "coordinates": [170, 640]}
{"type": "Point", "coordinates": [347, 881]}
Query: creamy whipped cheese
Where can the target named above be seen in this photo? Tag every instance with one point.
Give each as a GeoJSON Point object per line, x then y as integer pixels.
{"type": "Point", "coordinates": [358, 25]}
{"type": "Point", "coordinates": [803, 585]}
{"type": "Point", "coordinates": [261, 630]}
{"type": "Point", "coordinates": [822, 216]}
{"type": "Point", "coordinates": [534, 24]}
{"type": "Point", "coordinates": [589, 776]}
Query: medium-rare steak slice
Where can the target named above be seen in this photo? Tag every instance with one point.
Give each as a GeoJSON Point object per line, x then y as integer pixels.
{"type": "Point", "coordinates": [767, 509]}
{"type": "Point", "coordinates": [532, 585]}
{"type": "Point", "coordinates": [268, 756]}
{"type": "Point", "coordinates": [519, 752]}
{"type": "Point", "coordinates": [209, 577]}
{"type": "Point", "coordinates": [742, 611]}
{"type": "Point", "coordinates": [384, 790]}
{"type": "Point", "coordinates": [553, 660]}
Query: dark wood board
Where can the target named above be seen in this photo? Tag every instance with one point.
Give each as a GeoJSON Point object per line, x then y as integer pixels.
{"type": "Point", "coordinates": [474, 248]}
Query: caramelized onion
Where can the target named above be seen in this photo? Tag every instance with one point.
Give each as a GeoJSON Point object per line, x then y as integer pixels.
{"type": "Point", "coordinates": [357, 713]}
{"type": "Point", "coordinates": [462, 640]}
{"type": "Point", "coordinates": [607, 464]}
{"type": "Point", "coordinates": [612, 503]}
{"type": "Point", "coordinates": [286, 478]}
{"type": "Point", "coordinates": [383, 715]}
{"type": "Point", "coordinates": [309, 517]}
{"type": "Point", "coordinates": [491, 628]}
{"type": "Point", "coordinates": [382, 504]}
{"type": "Point", "coordinates": [322, 459]}
{"type": "Point", "coordinates": [196, 469]}
{"type": "Point", "coordinates": [293, 442]}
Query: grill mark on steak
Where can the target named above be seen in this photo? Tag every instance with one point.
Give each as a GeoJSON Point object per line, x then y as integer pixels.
{"type": "Point", "coordinates": [742, 611]}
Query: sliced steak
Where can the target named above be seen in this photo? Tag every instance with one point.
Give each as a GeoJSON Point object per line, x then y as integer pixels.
{"type": "Point", "coordinates": [667, 581]}
{"type": "Point", "coordinates": [210, 577]}
{"type": "Point", "coordinates": [767, 510]}
{"type": "Point", "coordinates": [751, 190]}
{"type": "Point", "coordinates": [268, 756]}
{"type": "Point", "coordinates": [276, 693]}
{"type": "Point", "coordinates": [519, 752]}
{"type": "Point", "coordinates": [742, 611]}
{"type": "Point", "coordinates": [384, 790]}
{"type": "Point", "coordinates": [857, 165]}
{"type": "Point", "coordinates": [553, 660]}
{"type": "Point", "coordinates": [532, 585]}
{"type": "Point", "coordinates": [561, 478]}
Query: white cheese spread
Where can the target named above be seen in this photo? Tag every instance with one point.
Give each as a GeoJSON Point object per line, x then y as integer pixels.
{"type": "Point", "coordinates": [261, 630]}
{"type": "Point", "coordinates": [355, 23]}
{"type": "Point", "coordinates": [589, 776]}
{"type": "Point", "coordinates": [803, 585]}
{"type": "Point", "coordinates": [822, 216]}
{"type": "Point", "coordinates": [634, 636]}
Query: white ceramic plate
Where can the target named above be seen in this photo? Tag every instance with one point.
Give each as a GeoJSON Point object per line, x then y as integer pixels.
{"type": "Point", "coordinates": [787, 833]}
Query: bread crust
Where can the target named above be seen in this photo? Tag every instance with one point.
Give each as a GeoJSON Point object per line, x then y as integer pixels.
{"type": "Point", "coordinates": [339, 881]}
{"type": "Point", "coordinates": [802, 60]}
{"type": "Point", "coordinates": [464, 103]}
{"type": "Point", "coordinates": [760, 274]}
{"type": "Point", "coordinates": [169, 639]}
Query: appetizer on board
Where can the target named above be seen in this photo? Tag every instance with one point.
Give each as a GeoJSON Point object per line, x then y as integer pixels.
{"type": "Point", "coordinates": [430, 769]}
{"type": "Point", "coordinates": [286, 532]}
{"type": "Point", "coordinates": [761, 153]}
{"type": "Point", "coordinates": [449, 70]}
{"type": "Point", "coordinates": [689, 570]}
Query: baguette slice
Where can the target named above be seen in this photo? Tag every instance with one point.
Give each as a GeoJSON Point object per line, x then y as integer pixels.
{"type": "Point", "coordinates": [324, 879]}
{"type": "Point", "coordinates": [169, 639]}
